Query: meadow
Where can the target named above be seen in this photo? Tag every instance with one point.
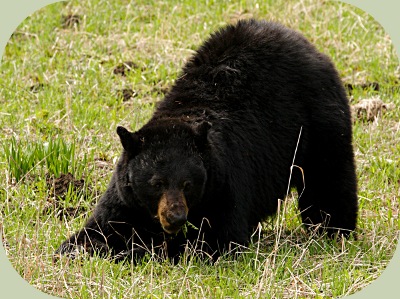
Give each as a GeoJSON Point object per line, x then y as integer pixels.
{"type": "Point", "coordinates": [73, 71]}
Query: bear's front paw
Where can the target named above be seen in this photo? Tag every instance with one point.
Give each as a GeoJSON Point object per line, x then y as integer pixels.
{"type": "Point", "coordinates": [69, 250]}
{"type": "Point", "coordinates": [74, 250]}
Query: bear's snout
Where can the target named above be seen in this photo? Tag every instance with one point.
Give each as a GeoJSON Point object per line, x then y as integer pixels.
{"type": "Point", "coordinates": [176, 218]}
{"type": "Point", "coordinates": [172, 211]}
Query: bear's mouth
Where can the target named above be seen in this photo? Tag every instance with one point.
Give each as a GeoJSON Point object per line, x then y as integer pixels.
{"type": "Point", "coordinates": [168, 228]}
{"type": "Point", "coordinates": [171, 229]}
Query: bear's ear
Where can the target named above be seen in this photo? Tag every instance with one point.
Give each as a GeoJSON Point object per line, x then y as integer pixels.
{"type": "Point", "coordinates": [130, 141]}
{"type": "Point", "coordinates": [201, 133]}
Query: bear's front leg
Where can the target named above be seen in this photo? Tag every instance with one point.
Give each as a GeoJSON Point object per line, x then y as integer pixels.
{"type": "Point", "coordinates": [103, 240]}
{"type": "Point", "coordinates": [90, 239]}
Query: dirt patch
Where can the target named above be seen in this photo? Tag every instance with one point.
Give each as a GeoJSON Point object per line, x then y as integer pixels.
{"type": "Point", "coordinates": [59, 186]}
{"type": "Point", "coordinates": [124, 68]}
{"type": "Point", "coordinates": [126, 94]}
{"type": "Point", "coordinates": [370, 109]}
{"type": "Point", "coordinates": [35, 88]}
{"type": "Point", "coordinates": [374, 86]}
{"type": "Point", "coordinates": [58, 190]}
{"type": "Point", "coordinates": [70, 21]}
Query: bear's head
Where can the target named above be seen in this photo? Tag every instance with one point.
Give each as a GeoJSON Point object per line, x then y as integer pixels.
{"type": "Point", "coordinates": [162, 170]}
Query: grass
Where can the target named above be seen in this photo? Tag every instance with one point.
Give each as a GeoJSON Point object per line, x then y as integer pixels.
{"type": "Point", "coordinates": [61, 101]}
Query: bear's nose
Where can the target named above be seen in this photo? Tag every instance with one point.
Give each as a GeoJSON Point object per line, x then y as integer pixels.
{"type": "Point", "coordinates": [176, 219]}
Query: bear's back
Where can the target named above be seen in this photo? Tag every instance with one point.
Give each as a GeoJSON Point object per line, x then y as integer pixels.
{"type": "Point", "coordinates": [251, 63]}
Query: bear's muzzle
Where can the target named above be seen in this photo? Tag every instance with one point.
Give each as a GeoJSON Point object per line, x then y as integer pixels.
{"type": "Point", "coordinates": [172, 211]}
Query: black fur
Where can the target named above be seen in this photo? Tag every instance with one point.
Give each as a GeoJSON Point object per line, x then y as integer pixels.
{"type": "Point", "coordinates": [229, 130]}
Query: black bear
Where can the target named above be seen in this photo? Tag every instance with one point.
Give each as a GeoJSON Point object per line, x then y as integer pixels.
{"type": "Point", "coordinates": [256, 105]}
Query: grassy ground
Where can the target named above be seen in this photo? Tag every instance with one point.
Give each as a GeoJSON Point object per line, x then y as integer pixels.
{"type": "Point", "coordinates": [64, 89]}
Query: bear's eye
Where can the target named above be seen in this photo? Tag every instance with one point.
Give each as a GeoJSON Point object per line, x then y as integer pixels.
{"type": "Point", "coordinates": [158, 185]}
{"type": "Point", "coordinates": [157, 182]}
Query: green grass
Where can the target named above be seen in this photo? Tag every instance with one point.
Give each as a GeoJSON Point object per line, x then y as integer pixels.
{"type": "Point", "coordinates": [61, 102]}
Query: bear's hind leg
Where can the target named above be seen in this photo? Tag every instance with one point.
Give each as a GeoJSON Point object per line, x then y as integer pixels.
{"type": "Point", "coordinates": [329, 198]}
